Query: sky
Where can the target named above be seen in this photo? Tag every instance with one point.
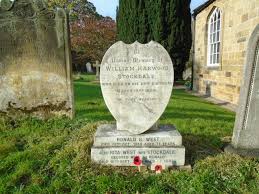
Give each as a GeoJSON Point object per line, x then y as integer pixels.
{"type": "Point", "coordinates": [108, 7]}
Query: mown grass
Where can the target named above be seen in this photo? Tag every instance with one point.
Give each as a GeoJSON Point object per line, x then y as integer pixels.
{"type": "Point", "coordinates": [54, 156]}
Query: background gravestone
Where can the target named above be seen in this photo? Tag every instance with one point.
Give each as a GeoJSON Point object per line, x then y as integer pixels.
{"type": "Point", "coordinates": [136, 82]}
{"type": "Point", "coordinates": [245, 139]}
{"type": "Point", "coordinates": [89, 68]}
{"type": "Point", "coordinates": [35, 62]}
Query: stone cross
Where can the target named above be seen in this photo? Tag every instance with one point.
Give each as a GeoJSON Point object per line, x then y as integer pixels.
{"type": "Point", "coordinates": [97, 65]}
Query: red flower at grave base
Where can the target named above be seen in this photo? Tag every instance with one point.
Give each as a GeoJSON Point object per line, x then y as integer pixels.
{"type": "Point", "coordinates": [137, 161]}
{"type": "Point", "coordinates": [158, 168]}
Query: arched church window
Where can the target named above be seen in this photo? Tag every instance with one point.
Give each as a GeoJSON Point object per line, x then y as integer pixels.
{"type": "Point", "coordinates": [214, 39]}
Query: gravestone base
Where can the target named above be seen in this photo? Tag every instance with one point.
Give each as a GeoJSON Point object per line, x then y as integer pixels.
{"type": "Point", "coordinates": [242, 152]}
{"type": "Point", "coordinates": [118, 148]}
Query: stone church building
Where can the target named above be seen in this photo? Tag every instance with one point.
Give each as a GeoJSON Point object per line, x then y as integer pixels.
{"type": "Point", "coordinates": [222, 29]}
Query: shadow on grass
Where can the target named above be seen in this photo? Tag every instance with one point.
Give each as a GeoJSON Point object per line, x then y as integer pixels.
{"type": "Point", "coordinates": [95, 115]}
{"type": "Point", "coordinates": [89, 102]}
{"type": "Point", "coordinates": [199, 147]}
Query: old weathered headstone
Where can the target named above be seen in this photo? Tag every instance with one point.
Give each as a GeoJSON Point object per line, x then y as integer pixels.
{"type": "Point", "coordinates": [35, 62]}
{"type": "Point", "coordinates": [187, 74]}
{"type": "Point", "coordinates": [89, 68]}
{"type": "Point", "coordinates": [245, 139]}
{"type": "Point", "coordinates": [136, 82]}
{"type": "Point", "coordinates": [97, 65]}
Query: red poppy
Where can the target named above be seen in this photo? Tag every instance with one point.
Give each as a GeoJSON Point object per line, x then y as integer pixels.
{"type": "Point", "coordinates": [137, 161]}
{"type": "Point", "coordinates": [158, 168]}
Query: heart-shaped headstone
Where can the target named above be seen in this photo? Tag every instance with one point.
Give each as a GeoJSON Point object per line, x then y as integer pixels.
{"type": "Point", "coordinates": [136, 82]}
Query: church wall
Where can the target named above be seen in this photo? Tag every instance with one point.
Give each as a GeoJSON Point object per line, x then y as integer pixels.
{"type": "Point", "coordinates": [239, 19]}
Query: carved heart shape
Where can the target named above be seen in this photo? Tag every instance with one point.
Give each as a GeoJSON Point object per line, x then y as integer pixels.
{"type": "Point", "coordinates": [136, 82]}
{"type": "Point", "coordinates": [6, 4]}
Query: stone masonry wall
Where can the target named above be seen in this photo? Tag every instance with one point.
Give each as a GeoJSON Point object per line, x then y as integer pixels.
{"type": "Point", "coordinates": [240, 18]}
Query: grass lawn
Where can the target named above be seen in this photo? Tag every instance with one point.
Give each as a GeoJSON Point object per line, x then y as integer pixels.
{"type": "Point", "coordinates": [54, 156]}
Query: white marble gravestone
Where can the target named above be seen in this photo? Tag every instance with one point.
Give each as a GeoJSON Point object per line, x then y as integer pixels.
{"type": "Point", "coordinates": [136, 82]}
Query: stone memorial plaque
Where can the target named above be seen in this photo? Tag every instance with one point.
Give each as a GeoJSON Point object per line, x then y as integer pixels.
{"type": "Point", "coordinates": [171, 156]}
{"type": "Point", "coordinates": [165, 136]}
{"type": "Point", "coordinates": [35, 63]}
{"type": "Point", "coordinates": [136, 82]}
